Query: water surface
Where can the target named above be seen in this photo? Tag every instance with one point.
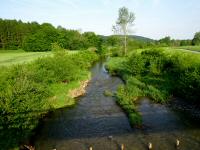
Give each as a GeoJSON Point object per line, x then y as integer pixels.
{"type": "Point", "coordinates": [99, 122]}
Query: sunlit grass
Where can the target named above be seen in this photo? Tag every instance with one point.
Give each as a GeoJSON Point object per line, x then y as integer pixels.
{"type": "Point", "coordinates": [10, 57]}
{"type": "Point", "coordinates": [186, 49]}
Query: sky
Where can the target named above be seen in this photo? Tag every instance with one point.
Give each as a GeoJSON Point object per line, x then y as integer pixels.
{"type": "Point", "coordinates": [179, 19]}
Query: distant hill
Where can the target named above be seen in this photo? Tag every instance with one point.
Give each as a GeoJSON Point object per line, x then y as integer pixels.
{"type": "Point", "coordinates": [136, 37]}
{"type": "Point", "coordinates": [141, 38]}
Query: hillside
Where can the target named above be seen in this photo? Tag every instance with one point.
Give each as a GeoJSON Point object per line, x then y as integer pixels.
{"type": "Point", "coordinates": [136, 37]}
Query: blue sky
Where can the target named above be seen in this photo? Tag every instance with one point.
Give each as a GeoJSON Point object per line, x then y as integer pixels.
{"type": "Point", "coordinates": [179, 19]}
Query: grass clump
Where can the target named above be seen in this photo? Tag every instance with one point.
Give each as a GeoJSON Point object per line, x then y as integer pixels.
{"type": "Point", "coordinates": [135, 119]}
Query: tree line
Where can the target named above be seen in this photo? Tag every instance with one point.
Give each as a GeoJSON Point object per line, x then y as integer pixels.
{"type": "Point", "coordinates": [33, 36]}
{"type": "Point", "coordinates": [167, 41]}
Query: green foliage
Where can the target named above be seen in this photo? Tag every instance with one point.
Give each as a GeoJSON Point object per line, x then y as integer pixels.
{"type": "Point", "coordinates": [184, 43]}
{"type": "Point", "coordinates": [152, 73]}
{"type": "Point", "coordinates": [113, 40]}
{"type": "Point", "coordinates": [165, 41]}
{"type": "Point", "coordinates": [26, 90]}
{"type": "Point", "coordinates": [37, 42]}
{"type": "Point", "coordinates": [155, 94]}
{"type": "Point", "coordinates": [135, 64]}
{"type": "Point", "coordinates": [116, 51]}
{"type": "Point", "coordinates": [196, 39]}
{"type": "Point", "coordinates": [126, 97]}
{"type": "Point", "coordinates": [116, 65]}
{"type": "Point", "coordinates": [36, 37]}
{"type": "Point", "coordinates": [123, 24]}
{"type": "Point", "coordinates": [55, 47]}
{"type": "Point", "coordinates": [135, 119]}
{"type": "Point", "coordinates": [160, 69]}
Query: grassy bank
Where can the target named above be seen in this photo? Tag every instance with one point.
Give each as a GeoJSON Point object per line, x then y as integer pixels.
{"type": "Point", "coordinates": [28, 91]}
{"type": "Point", "coordinates": [153, 73]}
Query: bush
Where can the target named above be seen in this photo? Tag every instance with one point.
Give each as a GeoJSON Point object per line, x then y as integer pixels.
{"type": "Point", "coordinates": [25, 89]}
{"type": "Point", "coordinates": [153, 73]}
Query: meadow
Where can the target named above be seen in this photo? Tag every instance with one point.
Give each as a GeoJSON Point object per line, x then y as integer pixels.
{"type": "Point", "coordinates": [10, 57]}
{"type": "Point", "coordinates": [191, 48]}
{"type": "Point", "coordinates": [194, 49]}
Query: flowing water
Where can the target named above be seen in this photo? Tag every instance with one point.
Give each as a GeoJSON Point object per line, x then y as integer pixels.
{"type": "Point", "coordinates": [97, 121]}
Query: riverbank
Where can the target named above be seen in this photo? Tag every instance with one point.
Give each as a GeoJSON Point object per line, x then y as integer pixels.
{"type": "Point", "coordinates": [29, 91]}
{"type": "Point", "coordinates": [79, 91]}
{"type": "Point", "coordinates": [152, 73]}
{"type": "Point", "coordinates": [98, 122]}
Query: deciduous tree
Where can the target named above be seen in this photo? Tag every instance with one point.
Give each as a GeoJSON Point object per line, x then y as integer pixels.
{"type": "Point", "coordinates": [123, 24]}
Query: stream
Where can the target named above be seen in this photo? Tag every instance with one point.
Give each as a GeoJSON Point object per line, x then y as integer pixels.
{"type": "Point", "coordinates": [97, 121]}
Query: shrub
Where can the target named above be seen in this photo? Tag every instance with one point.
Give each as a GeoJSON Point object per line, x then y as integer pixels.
{"type": "Point", "coordinates": [25, 89]}
{"type": "Point", "coordinates": [153, 73]}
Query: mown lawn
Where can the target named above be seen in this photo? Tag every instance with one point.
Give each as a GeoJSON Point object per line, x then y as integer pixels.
{"type": "Point", "coordinates": [9, 57]}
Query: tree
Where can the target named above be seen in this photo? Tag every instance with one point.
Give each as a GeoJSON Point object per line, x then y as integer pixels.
{"type": "Point", "coordinates": [196, 39]}
{"type": "Point", "coordinates": [166, 41]}
{"type": "Point", "coordinates": [113, 40]}
{"type": "Point", "coordinates": [124, 22]}
{"type": "Point", "coordinates": [91, 39]}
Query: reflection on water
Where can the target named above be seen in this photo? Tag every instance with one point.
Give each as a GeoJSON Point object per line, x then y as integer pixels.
{"type": "Point", "coordinates": [97, 121]}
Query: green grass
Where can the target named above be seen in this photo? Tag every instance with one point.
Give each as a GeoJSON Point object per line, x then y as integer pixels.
{"type": "Point", "coordinates": [115, 64]}
{"type": "Point", "coordinates": [184, 48]}
{"type": "Point", "coordinates": [61, 96]}
{"type": "Point", "coordinates": [29, 90]}
{"type": "Point", "coordinates": [192, 48]}
{"type": "Point", "coordinates": [10, 57]}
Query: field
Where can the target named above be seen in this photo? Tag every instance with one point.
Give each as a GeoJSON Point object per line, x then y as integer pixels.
{"type": "Point", "coordinates": [9, 57]}
{"type": "Point", "coordinates": [186, 48]}
{"type": "Point", "coordinates": [191, 48]}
